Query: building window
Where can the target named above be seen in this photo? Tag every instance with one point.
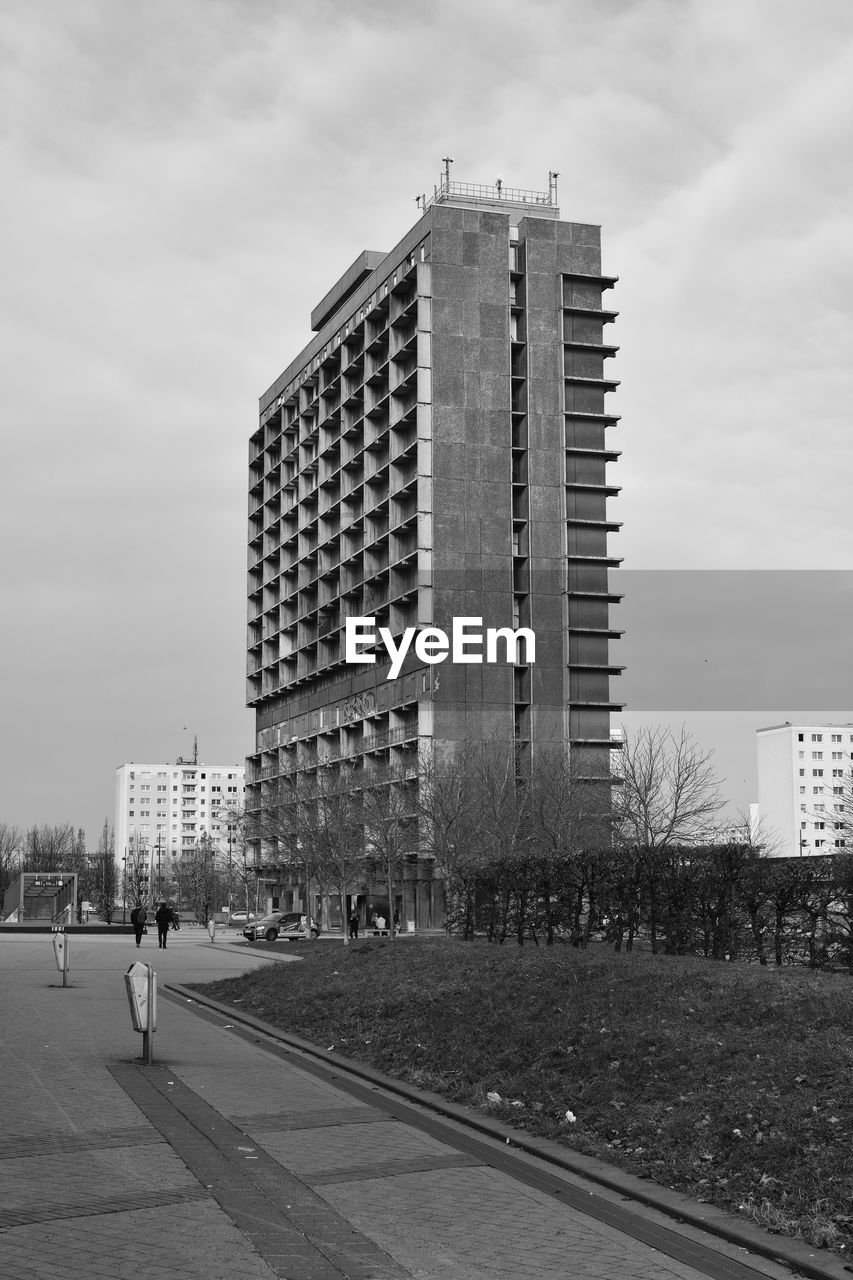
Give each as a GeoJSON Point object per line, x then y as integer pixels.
{"type": "Point", "coordinates": [802, 773]}
{"type": "Point", "coordinates": [836, 737]}
{"type": "Point", "coordinates": [817, 773]}
{"type": "Point", "coordinates": [817, 737]}
{"type": "Point", "coordinates": [817, 755]}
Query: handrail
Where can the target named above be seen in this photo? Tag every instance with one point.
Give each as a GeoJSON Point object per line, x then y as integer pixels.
{"type": "Point", "coordinates": [486, 191]}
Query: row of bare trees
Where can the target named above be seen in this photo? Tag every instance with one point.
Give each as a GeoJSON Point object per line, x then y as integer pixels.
{"type": "Point", "coordinates": [61, 848]}
{"type": "Point", "coordinates": [333, 828]}
{"type": "Point", "coordinates": [555, 852]}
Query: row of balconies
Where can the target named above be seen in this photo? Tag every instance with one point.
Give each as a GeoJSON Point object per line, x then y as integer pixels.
{"type": "Point", "coordinates": [370, 535]}
{"type": "Point", "coordinates": [390, 445]}
{"type": "Point", "coordinates": [397, 307]}
{"type": "Point", "coordinates": [352, 597]}
{"type": "Point", "coordinates": [329, 745]}
{"type": "Point", "coordinates": [391, 518]}
{"type": "Point", "coordinates": [321, 655]}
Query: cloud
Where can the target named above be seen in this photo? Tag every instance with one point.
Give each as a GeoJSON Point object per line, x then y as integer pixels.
{"type": "Point", "coordinates": [184, 181]}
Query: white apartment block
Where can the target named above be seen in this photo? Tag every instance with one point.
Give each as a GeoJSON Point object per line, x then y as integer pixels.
{"type": "Point", "coordinates": [803, 782]}
{"type": "Point", "coordinates": [166, 808]}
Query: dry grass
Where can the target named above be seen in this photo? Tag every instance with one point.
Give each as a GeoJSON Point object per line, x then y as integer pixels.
{"type": "Point", "coordinates": [730, 1083]}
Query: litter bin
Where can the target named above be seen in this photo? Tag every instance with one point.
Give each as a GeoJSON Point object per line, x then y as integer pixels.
{"type": "Point", "coordinates": [141, 984]}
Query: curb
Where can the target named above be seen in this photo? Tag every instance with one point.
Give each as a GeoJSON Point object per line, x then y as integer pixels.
{"type": "Point", "coordinates": [799, 1256]}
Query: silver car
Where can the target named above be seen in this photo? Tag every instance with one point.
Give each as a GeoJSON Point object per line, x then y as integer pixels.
{"type": "Point", "coordinates": [280, 924]}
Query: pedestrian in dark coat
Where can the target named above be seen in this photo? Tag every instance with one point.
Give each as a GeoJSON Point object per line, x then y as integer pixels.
{"type": "Point", "coordinates": [164, 917]}
{"type": "Point", "coordinates": [353, 923]}
{"type": "Point", "coordinates": [138, 916]}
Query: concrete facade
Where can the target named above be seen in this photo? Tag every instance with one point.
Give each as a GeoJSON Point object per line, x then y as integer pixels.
{"type": "Point", "coordinates": [166, 808]}
{"type": "Point", "coordinates": [803, 774]}
{"type": "Point", "coordinates": [438, 451]}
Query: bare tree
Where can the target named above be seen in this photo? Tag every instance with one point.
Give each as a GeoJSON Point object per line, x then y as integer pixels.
{"type": "Point", "coordinates": [48, 848]}
{"type": "Point", "coordinates": [570, 816]}
{"type": "Point", "coordinates": [667, 795]}
{"type": "Point", "coordinates": [336, 827]}
{"type": "Point", "coordinates": [239, 875]}
{"type": "Point", "coordinates": [136, 886]}
{"type": "Point", "coordinates": [390, 825]}
{"type": "Point", "coordinates": [762, 844]}
{"type": "Point", "coordinates": [287, 826]}
{"type": "Point", "coordinates": [196, 873]}
{"type": "Point", "coordinates": [105, 887]}
{"type": "Point", "coordinates": [11, 843]}
{"type": "Point", "coordinates": [451, 826]}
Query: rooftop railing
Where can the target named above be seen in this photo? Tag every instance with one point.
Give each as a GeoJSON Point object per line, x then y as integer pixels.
{"type": "Point", "coordinates": [484, 191]}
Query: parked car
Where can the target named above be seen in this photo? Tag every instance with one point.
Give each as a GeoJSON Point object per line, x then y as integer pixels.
{"type": "Point", "coordinates": [280, 924]}
{"type": "Point", "coordinates": [240, 917]}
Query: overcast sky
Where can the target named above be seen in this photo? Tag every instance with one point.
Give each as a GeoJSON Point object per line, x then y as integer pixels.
{"type": "Point", "coordinates": [183, 181]}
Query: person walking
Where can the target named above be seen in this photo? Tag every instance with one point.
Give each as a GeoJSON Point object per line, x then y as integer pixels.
{"type": "Point", "coordinates": [138, 916]}
{"type": "Point", "coordinates": [164, 917]}
{"type": "Point", "coordinates": [353, 922]}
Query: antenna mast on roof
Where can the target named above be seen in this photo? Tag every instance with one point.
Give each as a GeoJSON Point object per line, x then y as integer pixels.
{"type": "Point", "coordinates": [448, 161]}
{"type": "Point", "coordinates": [195, 748]}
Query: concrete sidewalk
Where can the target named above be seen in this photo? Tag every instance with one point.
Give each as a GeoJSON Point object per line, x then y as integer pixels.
{"type": "Point", "coordinates": [233, 1157]}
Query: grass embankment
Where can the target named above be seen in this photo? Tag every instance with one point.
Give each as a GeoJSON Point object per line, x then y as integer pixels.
{"type": "Point", "coordinates": [732, 1084]}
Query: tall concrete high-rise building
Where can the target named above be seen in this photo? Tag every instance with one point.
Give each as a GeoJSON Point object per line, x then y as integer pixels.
{"type": "Point", "coordinates": [436, 452]}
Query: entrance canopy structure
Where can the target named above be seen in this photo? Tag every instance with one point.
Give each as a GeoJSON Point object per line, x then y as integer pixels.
{"type": "Point", "coordinates": [48, 896]}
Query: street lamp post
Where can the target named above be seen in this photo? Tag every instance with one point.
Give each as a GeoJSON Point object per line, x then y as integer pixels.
{"type": "Point", "coordinates": [124, 888]}
{"type": "Point", "coordinates": [230, 873]}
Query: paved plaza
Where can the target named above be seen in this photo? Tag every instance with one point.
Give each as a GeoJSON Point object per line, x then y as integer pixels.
{"type": "Point", "coordinates": [234, 1156]}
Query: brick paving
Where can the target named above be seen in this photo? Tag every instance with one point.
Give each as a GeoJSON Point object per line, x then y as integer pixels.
{"type": "Point", "coordinates": [224, 1159]}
